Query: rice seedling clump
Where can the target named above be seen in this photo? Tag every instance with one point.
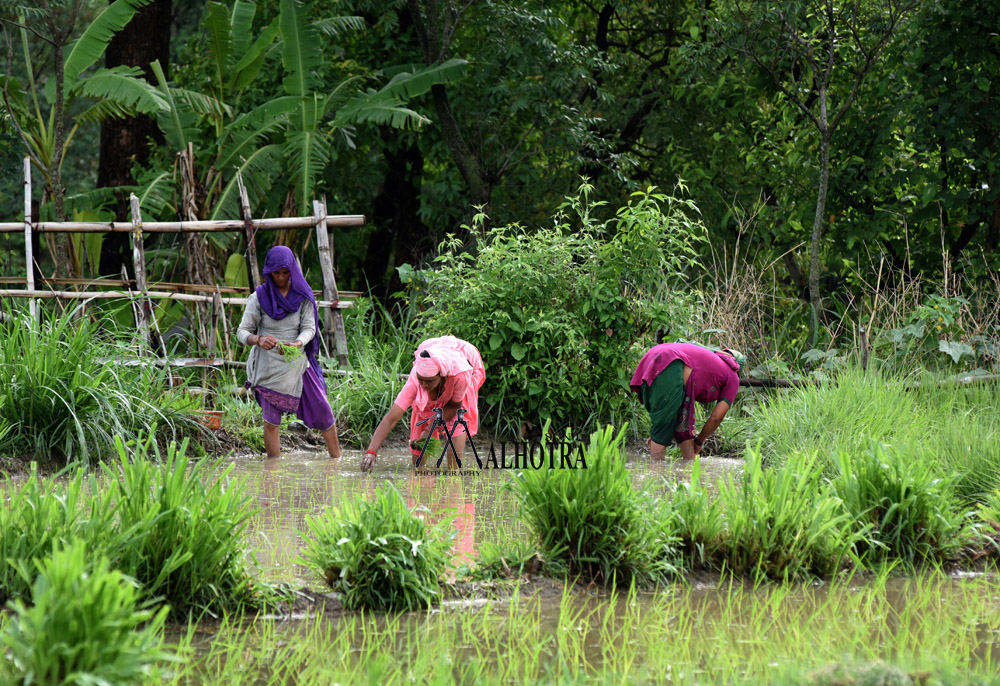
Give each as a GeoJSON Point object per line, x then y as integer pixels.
{"type": "Point", "coordinates": [378, 554]}
{"type": "Point", "coordinates": [85, 625]}
{"type": "Point", "coordinates": [291, 352]}
{"type": "Point", "coordinates": [593, 523]}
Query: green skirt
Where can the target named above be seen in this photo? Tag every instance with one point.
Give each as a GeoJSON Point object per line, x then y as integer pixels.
{"type": "Point", "coordinates": [663, 400]}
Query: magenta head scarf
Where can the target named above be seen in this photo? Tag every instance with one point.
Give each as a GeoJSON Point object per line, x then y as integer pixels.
{"type": "Point", "coordinates": [278, 306]}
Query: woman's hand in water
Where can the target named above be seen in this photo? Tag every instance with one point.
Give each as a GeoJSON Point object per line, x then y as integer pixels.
{"type": "Point", "coordinates": [368, 461]}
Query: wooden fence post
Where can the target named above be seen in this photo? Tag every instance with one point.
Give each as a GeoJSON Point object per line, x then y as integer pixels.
{"type": "Point", "coordinates": [29, 257]}
{"type": "Point", "coordinates": [139, 269]}
{"type": "Point", "coordinates": [248, 232]}
{"type": "Point", "coordinates": [333, 318]}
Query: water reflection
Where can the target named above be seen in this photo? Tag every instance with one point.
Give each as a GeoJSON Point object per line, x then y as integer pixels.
{"type": "Point", "coordinates": [290, 488]}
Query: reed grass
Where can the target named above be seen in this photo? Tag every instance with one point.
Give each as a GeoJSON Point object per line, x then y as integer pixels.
{"type": "Point", "coordinates": [85, 624]}
{"type": "Point", "coordinates": [378, 554]}
{"type": "Point", "coordinates": [60, 399]}
{"type": "Point", "coordinates": [593, 523]}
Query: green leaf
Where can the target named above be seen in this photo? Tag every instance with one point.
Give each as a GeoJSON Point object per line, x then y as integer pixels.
{"type": "Point", "coordinates": [236, 271]}
{"type": "Point", "coordinates": [517, 351]}
{"type": "Point", "coordinates": [241, 22]}
{"type": "Point", "coordinates": [496, 340]}
{"type": "Point", "coordinates": [126, 87]}
{"type": "Point", "coordinates": [955, 349]}
{"type": "Point", "coordinates": [91, 45]}
{"type": "Point", "coordinates": [249, 66]}
{"type": "Point", "coordinates": [220, 38]}
{"type": "Point", "coordinates": [300, 49]}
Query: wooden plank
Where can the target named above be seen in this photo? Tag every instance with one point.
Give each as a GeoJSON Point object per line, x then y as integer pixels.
{"type": "Point", "coordinates": [187, 297]}
{"type": "Point", "coordinates": [248, 232]}
{"type": "Point", "coordinates": [205, 226]}
{"type": "Point", "coordinates": [139, 267]}
{"type": "Point", "coordinates": [334, 319]}
{"type": "Point", "coordinates": [157, 285]}
{"type": "Point", "coordinates": [29, 258]}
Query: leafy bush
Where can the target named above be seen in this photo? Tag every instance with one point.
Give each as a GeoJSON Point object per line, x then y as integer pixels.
{"type": "Point", "coordinates": [378, 554]}
{"type": "Point", "coordinates": [782, 523]}
{"type": "Point", "coordinates": [561, 314]}
{"type": "Point", "coordinates": [59, 398]}
{"type": "Point", "coordinates": [84, 626]}
{"type": "Point", "coordinates": [593, 523]}
{"type": "Point", "coordinates": [188, 524]}
{"type": "Point", "coordinates": [901, 508]}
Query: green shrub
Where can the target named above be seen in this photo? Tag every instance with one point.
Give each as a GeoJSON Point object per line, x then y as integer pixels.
{"type": "Point", "coordinates": [61, 400]}
{"type": "Point", "coordinates": [188, 524]}
{"type": "Point", "coordinates": [41, 514]}
{"type": "Point", "coordinates": [593, 522]}
{"type": "Point", "coordinates": [83, 626]}
{"type": "Point", "coordinates": [782, 523]}
{"type": "Point", "coordinates": [378, 554]}
{"type": "Point", "coordinates": [901, 508]}
{"type": "Point", "coordinates": [561, 315]}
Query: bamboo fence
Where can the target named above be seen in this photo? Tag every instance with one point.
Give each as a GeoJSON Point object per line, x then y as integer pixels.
{"type": "Point", "coordinates": [332, 300]}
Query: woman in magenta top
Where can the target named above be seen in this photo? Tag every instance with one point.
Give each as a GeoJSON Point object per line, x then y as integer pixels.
{"type": "Point", "coordinates": [447, 373]}
{"type": "Point", "coordinates": [670, 379]}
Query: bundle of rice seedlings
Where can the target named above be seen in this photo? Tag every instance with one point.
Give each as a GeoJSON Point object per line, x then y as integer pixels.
{"type": "Point", "coordinates": [291, 352]}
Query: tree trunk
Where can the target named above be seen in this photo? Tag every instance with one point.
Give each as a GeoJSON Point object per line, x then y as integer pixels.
{"type": "Point", "coordinates": [125, 142]}
{"type": "Point", "coordinates": [396, 219]}
{"type": "Point", "coordinates": [815, 299]}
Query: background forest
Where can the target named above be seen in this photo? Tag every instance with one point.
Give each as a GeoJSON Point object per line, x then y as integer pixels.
{"type": "Point", "coordinates": [837, 160]}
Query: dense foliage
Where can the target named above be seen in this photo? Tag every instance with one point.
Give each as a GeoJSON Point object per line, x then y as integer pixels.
{"type": "Point", "coordinates": [559, 313]}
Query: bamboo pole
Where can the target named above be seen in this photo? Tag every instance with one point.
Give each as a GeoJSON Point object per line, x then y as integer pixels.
{"type": "Point", "coordinates": [155, 285]}
{"type": "Point", "coordinates": [185, 297]}
{"type": "Point", "coordinates": [29, 258]}
{"type": "Point", "coordinates": [206, 225]}
{"type": "Point", "coordinates": [334, 320]}
{"type": "Point", "coordinates": [248, 232]}
{"type": "Point", "coordinates": [139, 267]}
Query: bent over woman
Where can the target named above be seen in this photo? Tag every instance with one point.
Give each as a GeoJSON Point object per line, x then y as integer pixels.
{"type": "Point", "coordinates": [447, 373]}
{"type": "Point", "coordinates": [281, 315]}
{"type": "Point", "coordinates": [670, 379]}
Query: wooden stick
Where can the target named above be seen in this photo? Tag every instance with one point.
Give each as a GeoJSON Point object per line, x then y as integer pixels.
{"type": "Point", "coordinates": [248, 232]}
{"type": "Point", "coordinates": [29, 258]}
{"type": "Point", "coordinates": [186, 297]}
{"type": "Point", "coordinates": [206, 225]}
{"type": "Point", "coordinates": [139, 269]}
{"type": "Point", "coordinates": [334, 320]}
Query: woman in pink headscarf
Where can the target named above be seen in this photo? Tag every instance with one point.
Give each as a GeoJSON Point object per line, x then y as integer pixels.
{"type": "Point", "coordinates": [447, 373]}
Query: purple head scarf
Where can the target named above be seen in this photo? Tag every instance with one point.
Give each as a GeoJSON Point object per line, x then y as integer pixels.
{"type": "Point", "coordinates": [278, 306]}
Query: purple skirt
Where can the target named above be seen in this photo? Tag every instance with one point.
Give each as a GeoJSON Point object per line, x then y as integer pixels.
{"type": "Point", "coordinates": [313, 407]}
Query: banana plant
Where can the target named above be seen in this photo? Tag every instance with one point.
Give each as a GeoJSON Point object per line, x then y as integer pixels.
{"type": "Point", "coordinates": [41, 121]}
{"type": "Point", "coordinates": [293, 135]}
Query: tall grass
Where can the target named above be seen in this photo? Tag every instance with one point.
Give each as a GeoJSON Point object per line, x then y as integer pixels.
{"type": "Point", "coordinates": [381, 352]}
{"type": "Point", "coordinates": [62, 400]}
{"type": "Point", "coordinates": [698, 518]}
{"type": "Point", "coordinates": [593, 523]}
{"type": "Point", "coordinates": [378, 554]}
{"type": "Point", "coordinates": [85, 626]}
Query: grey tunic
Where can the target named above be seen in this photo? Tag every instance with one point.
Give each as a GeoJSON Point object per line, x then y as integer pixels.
{"type": "Point", "coordinates": [268, 368]}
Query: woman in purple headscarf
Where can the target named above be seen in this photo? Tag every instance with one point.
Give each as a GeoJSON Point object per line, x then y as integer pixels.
{"type": "Point", "coordinates": [282, 312]}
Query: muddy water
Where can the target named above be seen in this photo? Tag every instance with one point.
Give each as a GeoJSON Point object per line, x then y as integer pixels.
{"type": "Point", "coordinates": [299, 484]}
